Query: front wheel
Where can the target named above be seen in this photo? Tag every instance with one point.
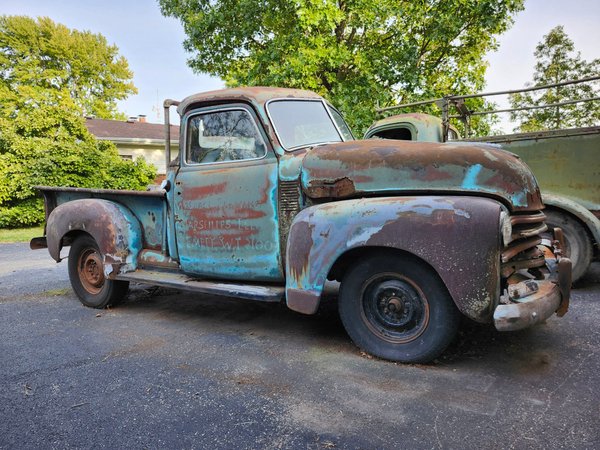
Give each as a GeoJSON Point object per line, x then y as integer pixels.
{"type": "Point", "coordinates": [86, 273]}
{"type": "Point", "coordinates": [397, 308]}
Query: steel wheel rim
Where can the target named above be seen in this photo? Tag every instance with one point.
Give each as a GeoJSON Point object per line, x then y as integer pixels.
{"type": "Point", "coordinates": [90, 269]}
{"type": "Point", "coordinates": [394, 308]}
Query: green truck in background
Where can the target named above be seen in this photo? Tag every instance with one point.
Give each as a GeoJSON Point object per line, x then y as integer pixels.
{"type": "Point", "coordinates": [565, 162]}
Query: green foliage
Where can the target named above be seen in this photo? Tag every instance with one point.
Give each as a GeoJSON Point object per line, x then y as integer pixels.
{"type": "Point", "coordinates": [557, 61]}
{"type": "Point", "coordinates": [51, 146]}
{"type": "Point", "coordinates": [24, 214]}
{"type": "Point", "coordinates": [356, 53]}
{"type": "Point", "coordinates": [42, 62]}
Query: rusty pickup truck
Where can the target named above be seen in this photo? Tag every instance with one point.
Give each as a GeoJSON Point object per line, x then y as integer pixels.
{"type": "Point", "coordinates": [271, 196]}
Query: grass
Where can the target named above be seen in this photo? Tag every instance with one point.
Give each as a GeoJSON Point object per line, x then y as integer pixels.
{"type": "Point", "coordinates": [20, 234]}
{"type": "Point", "coordinates": [57, 292]}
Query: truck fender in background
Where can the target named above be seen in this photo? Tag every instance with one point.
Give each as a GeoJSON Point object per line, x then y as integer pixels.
{"type": "Point", "coordinates": [458, 237]}
{"type": "Point", "coordinates": [114, 227]}
{"type": "Point", "coordinates": [591, 222]}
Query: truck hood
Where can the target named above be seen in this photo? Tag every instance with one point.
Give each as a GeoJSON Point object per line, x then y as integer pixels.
{"type": "Point", "coordinates": [385, 167]}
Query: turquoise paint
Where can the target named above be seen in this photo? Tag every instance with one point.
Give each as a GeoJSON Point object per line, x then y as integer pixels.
{"type": "Point", "coordinates": [470, 180]}
{"type": "Point", "coordinates": [274, 178]}
{"type": "Point", "coordinates": [519, 199]}
{"type": "Point", "coordinates": [133, 237]}
{"type": "Point", "coordinates": [305, 177]}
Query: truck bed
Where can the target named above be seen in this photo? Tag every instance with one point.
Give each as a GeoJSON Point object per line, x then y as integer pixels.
{"type": "Point", "coordinates": [150, 207]}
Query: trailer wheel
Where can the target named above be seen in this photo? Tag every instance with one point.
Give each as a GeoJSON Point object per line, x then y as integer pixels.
{"type": "Point", "coordinates": [86, 273]}
{"type": "Point", "coordinates": [397, 308]}
{"type": "Point", "coordinates": [578, 245]}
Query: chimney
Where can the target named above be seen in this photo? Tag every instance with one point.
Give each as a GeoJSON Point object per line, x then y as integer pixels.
{"type": "Point", "coordinates": [142, 118]}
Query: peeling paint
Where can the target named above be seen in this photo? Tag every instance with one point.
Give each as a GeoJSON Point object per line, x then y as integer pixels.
{"type": "Point", "coordinates": [470, 181]}
{"type": "Point", "coordinates": [385, 167]}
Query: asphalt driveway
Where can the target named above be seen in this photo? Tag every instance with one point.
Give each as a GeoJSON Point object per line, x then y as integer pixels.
{"type": "Point", "coordinates": [169, 369]}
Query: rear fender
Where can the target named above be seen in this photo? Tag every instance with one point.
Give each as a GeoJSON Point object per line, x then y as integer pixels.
{"type": "Point", "coordinates": [457, 236]}
{"type": "Point", "coordinates": [114, 227]}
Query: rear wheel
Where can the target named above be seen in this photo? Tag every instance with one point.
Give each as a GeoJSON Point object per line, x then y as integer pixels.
{"type": "Point", "coordinates": [578, 245]}
{"type": "Point", "coordinates": [86, 273]}
{"type": "Point", "coordinates": [397, 308]}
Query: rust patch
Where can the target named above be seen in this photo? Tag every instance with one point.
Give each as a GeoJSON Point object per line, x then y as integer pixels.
{"type": "Point", "coordinates": [434, 173]}
{"type": "Point", "coordinates": [301, 301]}
{"type": "Point", "coordinates": [564, 284]}
{"type": "Point", "coordinates": [196, 192]}
{"type": "Point", "coordinates": [300, 246]}
{"type": "Point", "coordinates": [343, 187]}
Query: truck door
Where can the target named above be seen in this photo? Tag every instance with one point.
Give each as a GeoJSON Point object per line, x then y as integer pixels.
{"type": "Point", "coordinates": [225, 206]}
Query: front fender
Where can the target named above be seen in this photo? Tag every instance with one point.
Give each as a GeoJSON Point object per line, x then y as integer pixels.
{"type": "Point", "coordinates": [114, 227]}
{"type": "Point", "coordinates": [457, 236]}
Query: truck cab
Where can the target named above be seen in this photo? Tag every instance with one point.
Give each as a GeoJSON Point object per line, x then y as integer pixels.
{"type": "Point", "coordinates": [271, 197]}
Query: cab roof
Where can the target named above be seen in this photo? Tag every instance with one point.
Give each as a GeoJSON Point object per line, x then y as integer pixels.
{"type": "Point", "coordinates": [258, 96]}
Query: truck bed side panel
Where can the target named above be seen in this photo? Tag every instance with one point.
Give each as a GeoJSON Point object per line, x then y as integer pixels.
{"type": "Point", "coordinates": [149, 207]}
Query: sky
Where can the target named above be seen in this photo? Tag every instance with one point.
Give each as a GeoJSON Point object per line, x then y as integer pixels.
{"type": "Point", "coordinates": [152, 44]}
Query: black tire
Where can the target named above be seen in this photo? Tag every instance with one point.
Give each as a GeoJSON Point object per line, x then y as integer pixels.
{"type": "Point", "coordinates": [86, 273]}
{"type": "Point", "coordinates": [397, 308]}
{"type": "Point", "coordinates": [578, 245]}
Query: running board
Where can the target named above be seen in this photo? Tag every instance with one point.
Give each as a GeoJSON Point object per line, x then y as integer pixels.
{"type": "Point", "coordinates": [180, 281]}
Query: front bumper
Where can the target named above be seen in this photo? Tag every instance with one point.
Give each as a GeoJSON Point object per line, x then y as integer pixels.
{"type": "Point", "coordinates": [534, 301]}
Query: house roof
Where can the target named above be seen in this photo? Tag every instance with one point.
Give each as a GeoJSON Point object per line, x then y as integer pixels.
{"type": "Point", "coordinates": [120, 129]}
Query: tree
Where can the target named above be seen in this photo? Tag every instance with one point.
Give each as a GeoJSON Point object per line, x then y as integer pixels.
{"type": "Point", "coordinates": [50, 145]}
{"type": "Point", "coordinates": [50, 77]}
{"type": "Point", "coordinates": [356, 53]}
{"type": "Point", "coordinates": [557, 61]}
{"type": "Point", "coordinates": [42, 62]}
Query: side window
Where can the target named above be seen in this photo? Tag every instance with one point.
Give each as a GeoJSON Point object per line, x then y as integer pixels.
{"type": "Point", "coordinates": [223, 136]}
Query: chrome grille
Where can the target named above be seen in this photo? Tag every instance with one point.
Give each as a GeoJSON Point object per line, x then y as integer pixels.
{"type": "Point", "coordinates": [289, 206]}
{"type": "Point", "coordinates": [527, 225]}
{"type": "Point", "coordinates": [523, 252]}
{"type": "Point", "coordinates": [289, 193]}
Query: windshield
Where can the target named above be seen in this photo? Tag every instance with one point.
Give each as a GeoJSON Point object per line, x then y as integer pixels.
{"type": "Point", "coordinates": [299, 123]}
